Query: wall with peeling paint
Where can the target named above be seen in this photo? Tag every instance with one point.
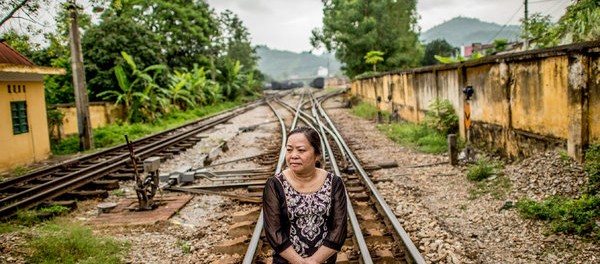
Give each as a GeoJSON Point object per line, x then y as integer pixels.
{"type": "Point", "coordinates": [523, 103]}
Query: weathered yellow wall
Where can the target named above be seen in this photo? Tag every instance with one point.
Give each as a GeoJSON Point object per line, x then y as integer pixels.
{"type": "Point", "coordinates": [523, 102]}
{"type": "Point", "coordinates": [101, 114]}
{"type": "Point", "coordinates": [28, 147]}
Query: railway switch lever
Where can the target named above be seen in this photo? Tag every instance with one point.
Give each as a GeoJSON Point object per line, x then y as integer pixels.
{"type": "Point", "coordinates": [146, 186]}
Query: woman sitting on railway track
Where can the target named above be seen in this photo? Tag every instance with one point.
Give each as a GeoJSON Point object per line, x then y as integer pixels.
{"type": "Point", "coordinates": [304, 206]}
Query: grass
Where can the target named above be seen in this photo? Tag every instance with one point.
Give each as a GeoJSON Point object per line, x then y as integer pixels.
{"type": "Point", "coordinates": [414, 135]}
{"type": "Point", "coordinates": [113, 134]}
{"type": "Point", "coordinates": [118, 192]}
{"type": "Point", "coordinates": [367, 111]}
{"type": "Point", "coordinates": [481, 170]}
{"type": "Point", "coordinates": [498, 188]}
{"type": "Point", "coordinates": [567, 215]}
{"type": "Point", "coordinates": [67, 242]}
{"type": "Point", "coordinates": [572, 216]}
{"type": "Point", "coordinates": [421, 136]}
{"type": "Point", "coordinates": [32, 217]}
{"type": "Point", "coordinates": [20, 171]}
{"type": "Point", "coordinates": [185, 247]}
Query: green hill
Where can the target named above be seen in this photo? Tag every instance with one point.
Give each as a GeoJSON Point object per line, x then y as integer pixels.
{"type": "Point", "coordinates": [283, 65]}
{"type": "Point", "coordinates": [464, 31]}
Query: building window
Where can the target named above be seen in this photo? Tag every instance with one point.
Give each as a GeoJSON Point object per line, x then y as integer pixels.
{"type": "Point", "coordinates": [19, 117]}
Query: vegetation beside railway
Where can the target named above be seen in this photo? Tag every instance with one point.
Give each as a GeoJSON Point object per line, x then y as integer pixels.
{"type": "Point", "coordinates": [579, 216]}
{"type": "Point", "coordinates": [572, 216]}
{"type": "Point", "coordinates": [112, 135]}
{"type": "Point", "coordinates": [64, 241]}
{"type": "Point", "coordinates": [429, 136]}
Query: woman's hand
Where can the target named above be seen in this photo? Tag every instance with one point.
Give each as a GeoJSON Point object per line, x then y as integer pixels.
{"type": "Point", "coordinates": [310, 260]}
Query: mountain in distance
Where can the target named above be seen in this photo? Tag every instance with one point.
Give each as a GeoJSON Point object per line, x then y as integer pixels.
{"type": "Point", "coordinates": [464, 31]}
{"type": "Point", "coordinates": [286, 65]}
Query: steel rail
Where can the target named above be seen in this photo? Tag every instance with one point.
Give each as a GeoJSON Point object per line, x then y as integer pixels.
{"type": "Point", "coordinates": [254, 241]}
{"type": "Point", "coordinates": [412, 250]}
{"type": "Point", "coordinates": [107, 152]}
{"type": "Point", "coordinates": [59, 186]}
{"type": "Point", "coordinates": [359, 238]}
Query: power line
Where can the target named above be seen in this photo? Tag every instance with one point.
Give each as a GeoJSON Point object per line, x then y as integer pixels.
{"type": "Point", "coordinates": [506, 24]}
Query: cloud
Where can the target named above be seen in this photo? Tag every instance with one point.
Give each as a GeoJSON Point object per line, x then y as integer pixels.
{"type": "Point", "coordinates": [287, 24]}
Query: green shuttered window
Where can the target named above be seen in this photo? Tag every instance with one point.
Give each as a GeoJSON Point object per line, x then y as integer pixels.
{"type": "Point", "coordinates": [19, 117]}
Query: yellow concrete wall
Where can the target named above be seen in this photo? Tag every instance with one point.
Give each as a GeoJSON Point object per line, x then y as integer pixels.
{"type": "Point", "coordinates": [101, 114]}
{"type": "Point", "coordinates": [23, 149]}
{"type": "Point", "coordinates": [522, 103]}
{"type": "Point", "coordinates": [539, 97]}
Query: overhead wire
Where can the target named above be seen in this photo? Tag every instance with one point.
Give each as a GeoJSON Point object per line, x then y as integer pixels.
{"type": "Point", "coordinates": [506, 24]}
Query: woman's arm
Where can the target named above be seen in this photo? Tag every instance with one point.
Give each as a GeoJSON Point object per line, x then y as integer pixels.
{"type": "Point", "coordinates": [337, 222]}
{"type": "Point", "coordinates": [275, 230]}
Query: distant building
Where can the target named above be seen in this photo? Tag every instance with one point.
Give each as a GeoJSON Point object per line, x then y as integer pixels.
{"type": "Point", "coordinates": [322, 71]}
{"type": "Point", "coordinates": [484, 49]}
{"type": "Point", "coordinates": [24, 134]}
{"type": "Point", "coordinates": [337, 82]}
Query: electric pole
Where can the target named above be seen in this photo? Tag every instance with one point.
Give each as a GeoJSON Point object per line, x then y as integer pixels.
{"type": "Point", "coordinates": [86, 141]}
{"type": "Point", "coordinates": [526, 42]}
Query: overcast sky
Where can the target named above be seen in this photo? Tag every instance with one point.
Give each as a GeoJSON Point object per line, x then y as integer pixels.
{"type": "Point", "coordinates": [287, 24]}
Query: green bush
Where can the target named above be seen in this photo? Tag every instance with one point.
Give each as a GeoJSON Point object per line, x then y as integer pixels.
{"type": "Point", "coordinates": [572, 216]}
{"type": "Point", "coordinates": [73, 243]}
{"type": "Point", "coordinates": [481, 170]}
{"type": "Point", "coordinates": [442, 117]}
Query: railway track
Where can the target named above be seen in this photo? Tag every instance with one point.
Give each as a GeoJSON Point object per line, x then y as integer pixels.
{"type": "Point", "coordinates": [102, 170]}
{"type": "Point", "coordinates": [375, 235]}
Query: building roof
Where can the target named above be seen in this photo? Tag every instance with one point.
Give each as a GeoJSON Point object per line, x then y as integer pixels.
{"type": "Point", "coordinates": [13, 62]}
{"type": "Point", "coordinates": [10, 56]}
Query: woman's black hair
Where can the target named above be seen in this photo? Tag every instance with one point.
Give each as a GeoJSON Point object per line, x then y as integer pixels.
{"type": "Point", "coordinates": [313, 138]}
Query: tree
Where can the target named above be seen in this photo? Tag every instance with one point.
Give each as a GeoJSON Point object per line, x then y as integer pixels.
{"type": "Point", "coordinates": [183, 27]}
{"type": "Point", "coordinates": [133, 95]}
{"type": "Point", "coordinates": [373, 57]}
{"type": "Point", "coordinates": [28, 8]}
{"type": "Point", "coordinates": [236, 38]}
{"type": "Point", "coordinates": [21, 43]}
{"type": "Point", "coordinates": [581, 22]}
{"type": "Point", "coordinates": [353, 28]}
{"type": "Point", "coordinates": [102, 46]}
{"type": "Point", "coordinates": [438, 47]}
{"type": "Point", "coordinates": [540, 31]}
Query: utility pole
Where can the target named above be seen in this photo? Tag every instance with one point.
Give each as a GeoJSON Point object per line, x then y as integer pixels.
{"type": "Point", "coordinates": [526, 42]}
{"type": "Point", "coordinates": [86, 141]}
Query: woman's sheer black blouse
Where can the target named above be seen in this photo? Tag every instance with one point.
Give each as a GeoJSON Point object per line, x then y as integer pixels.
{"type": "Point", "coordinates": [277, 223]}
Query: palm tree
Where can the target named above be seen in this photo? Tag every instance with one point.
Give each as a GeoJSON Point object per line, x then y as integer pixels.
{"type": "Point", "coordinates": [135, 92]}
{"type": "Point", "coordinates": [373, 57]}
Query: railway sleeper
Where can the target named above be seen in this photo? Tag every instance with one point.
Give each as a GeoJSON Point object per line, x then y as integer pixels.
{"type": "Point", "coordinates": [233, 246]}
{"type": "Point", "coordinates": [240, 229]}
{"type": "Point", "coordinates": [101, 184]}
{"type": "Point", "coordinates": [248, 215]}
{"type": "Point", "coordinates": [98, 184]}
{"type": "Point", "coordinates": [83, 195]}
{"type": "Point", "coordinates": [119, 176]}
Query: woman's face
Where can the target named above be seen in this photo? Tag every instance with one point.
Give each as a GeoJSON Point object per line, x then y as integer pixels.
{"type": "Point", "coordinates": [300, 155]}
